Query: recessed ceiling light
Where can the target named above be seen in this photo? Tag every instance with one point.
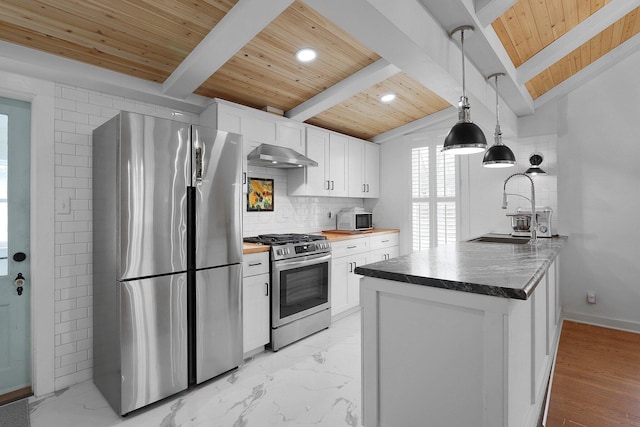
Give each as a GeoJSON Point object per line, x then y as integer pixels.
{"type": "Point", "coordinates": [388, 97]}
{"type": "Point", "coordinates": [306, 55]}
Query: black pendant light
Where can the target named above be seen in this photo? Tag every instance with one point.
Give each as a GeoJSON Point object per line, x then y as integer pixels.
{"type": "Point", "coordinates": [498, 155]}
{"type": "Point", "coordinates": [465, 137]}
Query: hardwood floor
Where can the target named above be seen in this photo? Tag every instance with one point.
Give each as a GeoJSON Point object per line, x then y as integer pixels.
{"type": "Point", "coordinates": [15, 395]}
{"type": "Point", "coordinates": [597, 378]}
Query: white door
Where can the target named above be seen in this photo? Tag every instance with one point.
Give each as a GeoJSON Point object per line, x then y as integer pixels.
{"type": "Point", "coordinates": [15, 303]}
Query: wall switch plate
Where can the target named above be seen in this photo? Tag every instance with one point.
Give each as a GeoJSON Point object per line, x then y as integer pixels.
{"type": "Point", "coordinates": [591, 297]}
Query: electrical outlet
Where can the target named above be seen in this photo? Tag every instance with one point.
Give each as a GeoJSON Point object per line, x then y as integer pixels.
{"type": "Point", "coordinates": [591, 297]}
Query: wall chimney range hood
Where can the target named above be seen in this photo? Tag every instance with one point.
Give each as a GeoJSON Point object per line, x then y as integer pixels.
{"type": "Point", "coordinates": [273, 156]}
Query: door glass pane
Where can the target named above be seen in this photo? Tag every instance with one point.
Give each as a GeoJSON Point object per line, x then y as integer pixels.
{"type": "Point", "coordinates": [4, 120]}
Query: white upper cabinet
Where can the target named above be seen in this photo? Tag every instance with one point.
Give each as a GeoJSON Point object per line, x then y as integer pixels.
{"type": "Point", "coordinates": [291, 135]}
{"type": "Point", "coordinates": [347, 167]}
{"type": "Point", "coordinates": [364, 169]}
{"type": "Point", "coordinates": [330, 150]}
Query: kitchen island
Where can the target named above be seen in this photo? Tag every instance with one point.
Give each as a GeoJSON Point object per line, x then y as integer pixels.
{"type": "Point", "coordinates": [460, 335]}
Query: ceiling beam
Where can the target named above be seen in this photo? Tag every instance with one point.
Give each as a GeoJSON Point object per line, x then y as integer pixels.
{"type": "Point", "coordinates": [575, 38]}
{"type": "Point", "coordinates": [34, 63]}
{"type": "Point", "coordinates": [374, 28]}
{"type": "Point", "coordinates": [243, 22]}
{"type": "Point", "coordinates": [488, 11]}
{"type": "Point", "coordinates": [442, 119]}
{"type": "Point", "coordinates": [345, 89]}
{"type": "Point", "coordinates": [594, 69]}
{"type": "Point", "coordinates": [484, 50]}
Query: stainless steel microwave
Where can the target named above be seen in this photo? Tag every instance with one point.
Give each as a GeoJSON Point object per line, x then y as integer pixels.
{"type": "Point", "coordinates": [354, 219]}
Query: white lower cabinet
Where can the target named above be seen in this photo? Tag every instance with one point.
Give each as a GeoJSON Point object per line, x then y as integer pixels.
{"type": "Point", "coordinates": [345, 293]}
{"type": "Point", "coordinates": [384, 246]}
{"type": "Point", "coordinates": [352, 253]}
{"type": "Point", "coordinates": [255, 301]}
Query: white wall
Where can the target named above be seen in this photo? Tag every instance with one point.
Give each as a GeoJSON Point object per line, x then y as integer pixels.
{"type": "Point", "coordinates": [599, 194]}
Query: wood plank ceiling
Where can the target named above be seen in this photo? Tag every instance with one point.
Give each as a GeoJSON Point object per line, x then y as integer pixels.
{"type": "Point", "coordinates": [149, 39]}
{"type": "Point", "coordinates": [529, 26]}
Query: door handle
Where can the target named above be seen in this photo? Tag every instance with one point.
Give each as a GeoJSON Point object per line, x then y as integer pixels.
{"type": "Point", "coordinates": [266, 289]}
{"type": "Point", "coordinates": [199, 165]}
{"type": "Point", "coordinates": [19, 281]}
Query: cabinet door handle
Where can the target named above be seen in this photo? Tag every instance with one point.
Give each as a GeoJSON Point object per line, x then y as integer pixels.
{"type": "Point", "coordinates": [328, 185]}
{"type": "Point", "coordinates": [266, 289]}
{"type": "Point", "coordinates": [244, 177]}
{"type": "Point", "coordinates": [332, 185]}
{"type": "Point", "coordinates": [364, 188]}
{"type": "Point", "coordinates": [254, 264]}
{"type": "Point", "coordinates": [367, 187]}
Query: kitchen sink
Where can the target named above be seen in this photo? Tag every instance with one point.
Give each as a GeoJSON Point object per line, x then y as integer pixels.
{"type": "Point", "coordinates": [501, 239]}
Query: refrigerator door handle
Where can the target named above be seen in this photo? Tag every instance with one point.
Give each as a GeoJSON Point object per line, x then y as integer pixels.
{"type": "Point", "coordinates": [198, 165]}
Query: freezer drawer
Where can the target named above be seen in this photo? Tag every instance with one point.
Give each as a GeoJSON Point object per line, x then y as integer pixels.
{"type": "Point", "coordinates": [218, 321]}
{"type": "Point", "coordinates": [153, 330]}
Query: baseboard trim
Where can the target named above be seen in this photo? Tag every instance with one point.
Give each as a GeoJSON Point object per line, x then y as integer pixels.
{"type": "Point", "coordinates": [605, 322]}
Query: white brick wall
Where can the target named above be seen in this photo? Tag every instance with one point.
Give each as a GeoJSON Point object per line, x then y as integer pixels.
{"type": "Point", "coordinates": [77, 113]}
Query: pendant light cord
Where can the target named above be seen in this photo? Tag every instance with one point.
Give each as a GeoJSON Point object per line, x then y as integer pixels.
{"type": "Point", "coordinates": [464, 86]}
{"type": "Point", "coordinates": [497, 105]}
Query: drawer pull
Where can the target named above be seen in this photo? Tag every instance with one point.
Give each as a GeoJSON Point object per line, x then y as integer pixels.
{"type": "Point", "coordinates": [351, 247]}
{"type": "Point", "coordinates": [254, 264]}
{"type": "Point", "coordinates": [385, 241]}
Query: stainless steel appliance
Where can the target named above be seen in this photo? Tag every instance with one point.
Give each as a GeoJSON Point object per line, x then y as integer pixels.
{"type": "Point", "coordinates": [354, 219]}
{"type": "Point", "coordinates": [521, 222]}
{"type": "Point", "coordinates": [300, 285]}
{"type": "Point", "coordinates": [167, 257]}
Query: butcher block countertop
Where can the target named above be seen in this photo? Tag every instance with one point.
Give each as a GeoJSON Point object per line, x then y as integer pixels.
{"type": "Point", "coordinates": [254, 248]}
{"type": "Point", "coordinates": [337, 235]}
{"type": "Point", "coordinates": [332, 235]}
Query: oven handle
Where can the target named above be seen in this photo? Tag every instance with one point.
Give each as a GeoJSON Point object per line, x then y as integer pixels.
{"type": "Point", "coordinates": [303, 261]}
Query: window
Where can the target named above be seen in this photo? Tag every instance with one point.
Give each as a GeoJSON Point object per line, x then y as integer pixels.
{"type": "Point", "coordinates": [433, 193]}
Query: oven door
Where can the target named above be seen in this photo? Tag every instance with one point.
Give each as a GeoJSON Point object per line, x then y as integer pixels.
{"type": "Point", "coordinates": [300, 287]}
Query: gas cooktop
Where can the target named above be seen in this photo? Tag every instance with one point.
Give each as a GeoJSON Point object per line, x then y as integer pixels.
{"type": "Point", "coordinates": [283, 239]}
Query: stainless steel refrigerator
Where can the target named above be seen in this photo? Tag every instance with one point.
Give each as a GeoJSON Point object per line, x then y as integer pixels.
{"type": "Point", "coordinates": [167, 257]}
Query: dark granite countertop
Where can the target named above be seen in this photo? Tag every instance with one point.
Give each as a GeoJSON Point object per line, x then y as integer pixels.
{"type": "Point", "coordinates": [498, 269]}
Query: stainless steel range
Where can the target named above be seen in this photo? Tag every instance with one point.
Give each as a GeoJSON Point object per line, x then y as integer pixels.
{"type": "Point", "coordinates": [300, 285]}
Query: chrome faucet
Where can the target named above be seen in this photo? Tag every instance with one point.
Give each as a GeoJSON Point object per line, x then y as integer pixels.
{"type": "Point", "coordinates": [533, 227]}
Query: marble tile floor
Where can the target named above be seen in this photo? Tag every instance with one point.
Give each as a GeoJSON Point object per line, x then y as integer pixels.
{"type": "Point", "coordinates": [314, 382]}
